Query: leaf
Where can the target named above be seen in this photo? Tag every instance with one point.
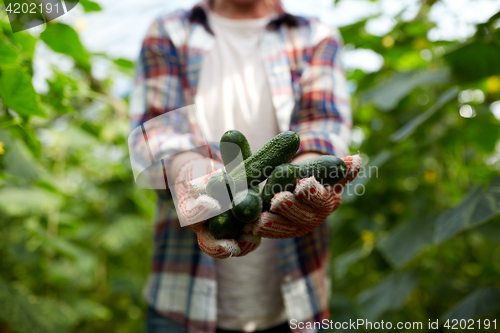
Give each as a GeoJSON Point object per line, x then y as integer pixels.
{"type": "Point", "coordinates": [16, 201]}
{"type": "Point", "coordinates": [25, 42]}
{"type": "Point", "coordinates": [88, 309]}
{"type": "Point", "coordinates": [456, 219]}
{"type": "Point", "coordinates": [63, 39]}
{"type": "Point", "coordinates": [488, 205]}
{"type": "Point", "coordinates": [345, 260]}
{"type": "Point", "coordinates": [17, 92]}
{"type": "Point", "coordinates": [389, 93]}
{"type": "Point", "coordinates": [476, 208]}
{"type": "Point", "coordinates": [479, 303]}
{"type": "Point", "coordinates": [25, 313]}
{"type": "Point", "coordinates": [407, 240]}
{"type": "Point", "coordinates": [405, 131]}
{"type": "Point", "coordinates": [490, 230]}
{"type": "Point", "coordinates": [389, 294]}
{"type": "Point", "coordinates": [482, 135]}
{"type": "Point", "coordinates": [124, 63]}
{"type": "Point", "coordinates": [475, 60]}
{"type": "Point", "coordinates": [90, 6]}
{"type": "Point", "coordinates": [123, 233]}
{"type": "Point", "coordinates": [19, 161]}
{"type": "Point", "coordinates": [8, 54]}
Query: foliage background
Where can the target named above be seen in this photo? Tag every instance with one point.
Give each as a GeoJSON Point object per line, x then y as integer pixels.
{"type": "Point", "coordinates": [423, 241]}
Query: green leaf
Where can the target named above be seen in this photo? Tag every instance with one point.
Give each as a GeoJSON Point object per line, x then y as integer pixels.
{"type": "Point", "coordinates": [475, 209]}
{"type": "Point", "coordinates": [455, 220]}
{"type": "Point", "coordinates": [490, 230]}
{"type": "Point", "coordinates": [19, 161]}
{"type": "Point", "coordinates": [475, 60]}
{"type": "Point", "coordinates": [25, 42]}
{"type": "Point", "coordinates": [26, 313]}
{"type": "Point", "coordinates": [405, 131]}
{"type": "Point", "coordinates": [123, 233]}
{"type": "Point", "coordinates": [17, 92]}
{"type": "Point", "coordinates": [16, 201]}
{"type": "Point", "coordinates": [482, 135]}
{"type": "Point", "coordinates": [479, 303]}
{"type": "Point", "coordinates": [8, 54]}
{"type": "Point", "coordinates": [389, 93]}
{"type": "Point", "coordinates": [390, 294]}
{"type": "Point", "coordinates": [345, 260]}
{"type": "Point", "coordinates": [124, 63]}
{"type": "Point", "coordinates": [407, 240]}
{"type": "Point", "coordinates": [63, 39]}
{"type": "Point", "coordinates": [88, 309]}
{"type": "Point", "coordinates": [90, 6]}
{"type": "Point", "coordinates": [488, 205]}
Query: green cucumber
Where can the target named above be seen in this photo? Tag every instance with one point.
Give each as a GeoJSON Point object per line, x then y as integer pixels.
{"type": "Point", "coordinates": [225, 225]}
{"type": "Point", "coordinates": [327, 169]}
{"type": "Point", "coordinates": [283, 178]}
{"type": "Point", "coordinates": [247, 206]}
{"type": "Point", "coordinates": [220, 184]}
{"type": "Point", "coordinates": [255, 169]}
{"type": "Point", "coordinates": [231, 144]}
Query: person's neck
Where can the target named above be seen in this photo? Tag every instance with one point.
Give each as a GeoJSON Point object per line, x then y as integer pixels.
{"type": "Point", "coordinates": [232, 10]}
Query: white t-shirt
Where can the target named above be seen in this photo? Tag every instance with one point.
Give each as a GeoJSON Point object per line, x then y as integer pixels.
{"type": "Point", "coordinates": [233, 93]}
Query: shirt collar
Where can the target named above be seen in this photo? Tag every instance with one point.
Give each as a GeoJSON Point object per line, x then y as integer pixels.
{"type": "Point", "coordinates": [198, 14]}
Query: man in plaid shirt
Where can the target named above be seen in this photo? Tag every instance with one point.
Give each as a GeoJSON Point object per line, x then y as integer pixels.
{"type": "Point", "coordinates": [184, 60]}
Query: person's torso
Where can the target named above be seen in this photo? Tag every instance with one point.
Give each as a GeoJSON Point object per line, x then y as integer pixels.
{"type": "Point", "coordinates": [233, 91]}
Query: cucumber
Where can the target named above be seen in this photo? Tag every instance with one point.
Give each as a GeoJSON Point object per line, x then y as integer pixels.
{"type": "Point", "coordinates": [283, 178]}
{"type": "Point", "coordinates": [327, 169]}
{"type": "Point", "coordinates": [220, 184]}
{"type": "Point", "coordinates": [231, 144]}
{"type": "Point", "coordinates": [225, 225]}
{"type": "Point", "coordinates": [247, 206]}
{"type": "Point", "coordinates": [255, 169]}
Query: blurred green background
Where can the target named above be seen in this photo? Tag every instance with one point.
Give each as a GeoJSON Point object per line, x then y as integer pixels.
{"type": "Point", "coordinates": [422, 242]}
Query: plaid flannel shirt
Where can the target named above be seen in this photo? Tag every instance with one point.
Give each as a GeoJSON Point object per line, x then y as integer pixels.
{"type": "Point", "coordinates": [309, 94]}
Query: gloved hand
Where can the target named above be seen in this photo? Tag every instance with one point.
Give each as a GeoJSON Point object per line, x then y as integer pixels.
{"type": "Point", "coordinates": [194, 207]}
{"type": "Point", "coordinates": [300, 212]}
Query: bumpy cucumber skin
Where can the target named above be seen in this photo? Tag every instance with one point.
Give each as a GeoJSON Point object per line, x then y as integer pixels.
{"type": "Point", "coordinates": [229, 151]}
{"type": "Point", "coordinates": [283, 178]}
{"type": "Point", "coordinates": [327, 169]}
{"type": "Point", "coordinates": [248, 207]}
{"type": "Point", "coordinates": [225, 225]}
{"type": "Point", "coordinates": [255, 169]}
{"type": "Point", "coordinates": [219, 184]}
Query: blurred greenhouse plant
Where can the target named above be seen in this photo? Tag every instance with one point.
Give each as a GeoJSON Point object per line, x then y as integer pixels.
{"type": "Point", "coordinates": [422, 242]}
{"type": "Point", "coordinates": [76, 232]}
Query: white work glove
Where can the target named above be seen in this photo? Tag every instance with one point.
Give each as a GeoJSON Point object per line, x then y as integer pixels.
{"type": "Point", "coordinates": [298, 213]}
{"type": "Point", "coordinates": [194, 207]}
